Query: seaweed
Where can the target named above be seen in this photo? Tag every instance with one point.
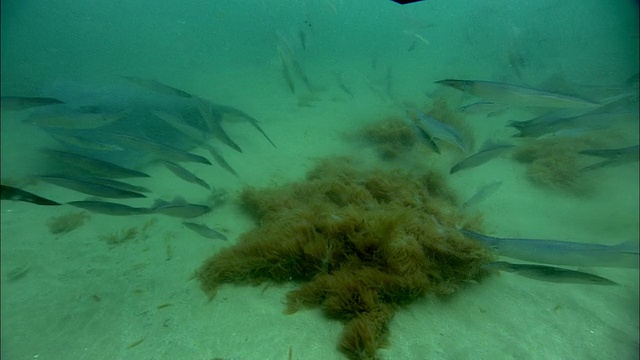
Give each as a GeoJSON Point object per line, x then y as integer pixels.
{"type": "Point", "coordinates": [360, 243]}
{"type": "Point", "coordinates": [120, 237]}
{"type": "Point", "coordinates": [391, 138]}
{"type": "Point", "coordinates": [555, 164]}
{"type": "Point", "coordinates": [66, 223]}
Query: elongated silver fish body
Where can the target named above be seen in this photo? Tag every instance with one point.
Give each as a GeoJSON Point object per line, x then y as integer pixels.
{"type": "Point", "coordinates": [515, 95]}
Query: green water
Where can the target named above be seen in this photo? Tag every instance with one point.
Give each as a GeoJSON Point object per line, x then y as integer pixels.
{"type": "Point", "coordinates": [76, 295]}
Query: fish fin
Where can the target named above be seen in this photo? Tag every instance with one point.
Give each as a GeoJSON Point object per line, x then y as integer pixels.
{"type": "Point", "coordinates": [159, 203]}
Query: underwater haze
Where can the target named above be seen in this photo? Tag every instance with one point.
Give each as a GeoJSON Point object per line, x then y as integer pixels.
{"type": "Point", "coordinates": [160, 159]}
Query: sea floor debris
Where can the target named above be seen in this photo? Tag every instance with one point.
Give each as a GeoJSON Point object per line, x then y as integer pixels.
{"type": "Point", "coordinates": [360, 243]}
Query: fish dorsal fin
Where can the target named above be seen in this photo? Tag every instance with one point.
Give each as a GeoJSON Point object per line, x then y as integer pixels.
{"type": "Point", "coordinates": [179, 200]}
{"type": "Point", "coordinates": [159, 203]}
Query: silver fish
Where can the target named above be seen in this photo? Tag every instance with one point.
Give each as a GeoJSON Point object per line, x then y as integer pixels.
{"type": "Point", "coordinates": [217, 157]}
{"type": "Point", "coordinates": [185, 174]}
{"type": "Point", "coordinates": [514, 95]}
{"type": "Point", "coordinates": [437, 129]}
{"type": "Point", "coordinates": [229, 110]}
{"type": "Point", "coordinates": [160, 151]}
{"type": "Point", "coordinates": [489, 108]}
{"type": "Point", "coordinates": [158, 87]}
{"type": "Point", "coordinates": [481, 194]}
{"type": "Point", "coordinates": [286, 75]}
{"type": "Point", "coordinates": [209, 117]}
{"type": "Point", "coordinates": [487, 152]}
{"type": "Point", "coordinates": [15, 194]}
{"type": "Point", "coordinates": [83, 142]}
{"type": "Point", "coordinates": [77, 121]}
{"type": "Point", "coordinates": [17, 103]}
{"type": "Point", "coordinates": [631, 151]}
{"type": "Point", "coordinates": [303, 39]}
{"type": "Point", "coordinates": [118, 184]}
{"type": "Point", "coordinates": [179, 208]}
{"type": "Point", "coordinates": [302, 74]}
{"type": "Point", "coordinates": [421, 134]}
{"type": "Point", "coordinates": [109, 208]}
{"type": "Point", "coordinates": [611, 162]}
{"type": "Point", "coordinates": [195, 137]}
{"type": "Point", "coordinates": [590, 121]}
{"type": "Point", "coordinates": [551, 273]}
{"type": "Point", "coordinates": [91, 188]}
{"type": "Point", "coordinates": [283, 47]}
{"type": "Point", "coordinates": [93, 166]}
{"type": "Point", "coordinates": [343, 85]}
{"type": "Point", "coordinates": [205, 231]}
{"type": "Point", "coordinates": [562, 252]}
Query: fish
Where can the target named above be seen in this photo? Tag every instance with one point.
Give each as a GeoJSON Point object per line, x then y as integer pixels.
{"type": "Point", "coordinates": [591, 121]}
{"type": "Point", "coordinates": [158, 87]}
{"type": "Point", "coordinates": [288, 58]}
{"type": "Point", "coordinates": [302, 74]}
{"type": "Point", "coordinates": [428, 140]}
{"type": "Point", "coordinates": [195, 137]}
{"type": "Point", "coordinates": [555, 252]}
{"type": "Point", "coordinates": [483, 193]}
{"type": "Point", "coordinates": [550, 273]}
{"type": "Point", "coordinates": [229, 110]}
{"type": "Point", "coordinates": [218, 158]}
{"type": "Point", "coordinates": [417, 38]}
{"type": "Point", "coordinates": [441, 131]}
{"type": "Point", "coordinates": [477, 107]}
{"type": "Point", "coordinates": [610, 162]}
{"type": "Point", "coordinates": [185, 174]}
{"type": "Point", "coordinates": [109, 208]}
{"type": "Point", "coordinates": [17, 103]}
{"type": "Point", "coordinates": [343, 86]}
{"type": "Point", "coordinates": [179, 208]}
{"type": "Point", "coordinates": [545, 119]}
{"type": "Point", "coordinates": [118, 184]}
{"type": "Point", "coordinates": [160, 151]}
{"type": "Point", "coordinates": [284, 48]}
{"type": "Point", "coordinates": [622, 108]}
{"type": "Point", "coordinates": [515, 95]}
{"type": "Point", "coordinates": [77, 121]}
{"type": "Point", "coordinates": [204, 231]}
{"type": "Point", "coordinates": [83, 142]}
{"type": "Point", "coordinates": [303, 39]}
{"type": "Point", "coordinates": [93, 166]}
{"type": "Point", "coordinates": [488, 151]}
{"type": "Point", "coordinates": [286, 75]}
{"type": "Point", "coordinates": [15, 194]}
{"type": "Point", "coordinates": [86, 186]}
{"type": "Point", "coordinates": [209, 117]}
{"type": "Point", "coordinates": [631, 151]}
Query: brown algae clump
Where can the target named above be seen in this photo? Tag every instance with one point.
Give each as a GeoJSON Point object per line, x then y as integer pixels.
{"type": "Point", "coordinates": [391, 138]}
{"type": "Point", "coordinates": [360, 243]}
{"type": "Point", "coordinates": [554, 163]}
{"type": "Point", "coordinates": [66, 223]}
